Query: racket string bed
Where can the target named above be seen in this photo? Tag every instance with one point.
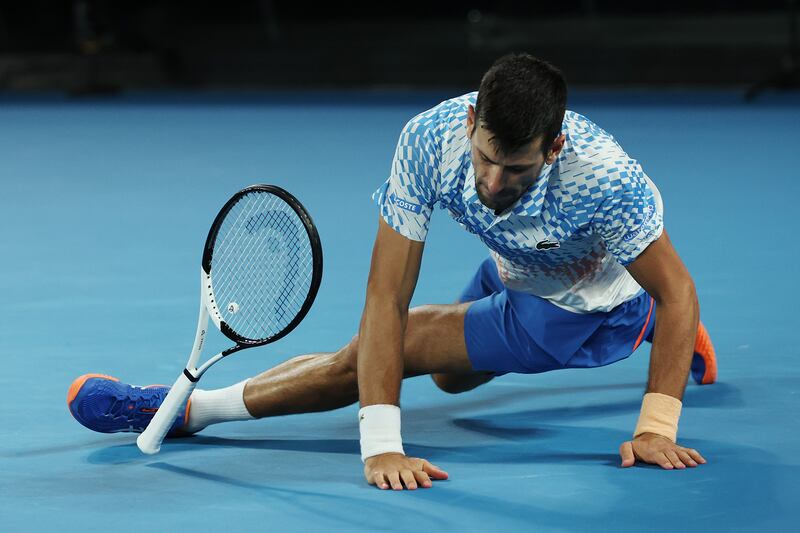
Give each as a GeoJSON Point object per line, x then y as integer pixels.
{"type": "Point", "coordinates": [254, 267]}
{"type": "Point", "coordinates": [264, 277]}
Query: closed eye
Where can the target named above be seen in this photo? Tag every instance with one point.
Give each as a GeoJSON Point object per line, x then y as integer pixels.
{"type": "Point", "coordinates": [514, 169]}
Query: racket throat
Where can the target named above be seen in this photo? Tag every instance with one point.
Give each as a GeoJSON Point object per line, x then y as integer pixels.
{"type": "Point", "coordinates": [191, 377]}
{"type": "Point", "coordinates": [208, 300]}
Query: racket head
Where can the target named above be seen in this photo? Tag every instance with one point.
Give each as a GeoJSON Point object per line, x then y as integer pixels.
{"type": "Point", "coordinates": [262, 265]}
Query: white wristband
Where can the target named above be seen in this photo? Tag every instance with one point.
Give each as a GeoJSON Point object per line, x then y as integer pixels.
{"type": "Point", "coordinates": [380, 430]}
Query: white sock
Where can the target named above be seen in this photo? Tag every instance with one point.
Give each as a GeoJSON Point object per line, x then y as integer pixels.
{"type": "Point", "coordinates": [215, 406]}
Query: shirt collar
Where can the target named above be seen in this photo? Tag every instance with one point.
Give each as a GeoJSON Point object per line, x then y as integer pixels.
{"type": "Point", "coordinates": [530, 204]}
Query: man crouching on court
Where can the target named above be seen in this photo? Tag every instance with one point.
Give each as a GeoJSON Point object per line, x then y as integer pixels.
{"type": "Point", "coordinates": [580, 267]}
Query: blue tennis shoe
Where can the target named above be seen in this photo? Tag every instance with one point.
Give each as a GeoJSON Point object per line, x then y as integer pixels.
{"type": "Point", "coordinates": [105, 404]}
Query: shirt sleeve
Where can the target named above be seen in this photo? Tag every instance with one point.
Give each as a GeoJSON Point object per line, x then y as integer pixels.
{"type": "Point", "coordinates": [632, 215]}
{"type": "Point", "coordinates": [407, 198]}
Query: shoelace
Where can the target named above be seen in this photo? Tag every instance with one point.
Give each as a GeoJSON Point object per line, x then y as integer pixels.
{"type": "Point", "coordinates": [126, 407]}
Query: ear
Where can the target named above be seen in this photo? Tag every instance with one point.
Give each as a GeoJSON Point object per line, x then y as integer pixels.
{"type": "Point", "coordinates": [470, 120]}
{"type": "Point", "coordinates": [555, 149]}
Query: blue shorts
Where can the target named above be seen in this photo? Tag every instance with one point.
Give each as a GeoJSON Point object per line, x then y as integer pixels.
{"type": "Point", "coordinates": [511, 331]}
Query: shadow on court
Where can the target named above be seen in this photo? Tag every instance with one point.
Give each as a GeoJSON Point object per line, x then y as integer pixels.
{"type": "Point", "coordinates": [523, 433]}
{"type": "Point", "coordinates": [737, 479]}
{"type": "Point", "coordinates": [518, 424]}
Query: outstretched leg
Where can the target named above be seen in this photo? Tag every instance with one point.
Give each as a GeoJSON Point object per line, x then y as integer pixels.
{"type": "Point", "coordinates": [434, 344]}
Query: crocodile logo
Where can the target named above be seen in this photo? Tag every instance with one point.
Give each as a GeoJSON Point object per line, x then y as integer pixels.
{"type": "Point", "coordinates": [547, 244]}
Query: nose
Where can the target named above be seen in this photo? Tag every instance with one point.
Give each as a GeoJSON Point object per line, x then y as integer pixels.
{"type": "Point", "coordinates": [494, 180]}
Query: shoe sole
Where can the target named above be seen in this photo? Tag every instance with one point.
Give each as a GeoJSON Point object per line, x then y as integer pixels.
{"type": "Point", "coordinates": [78, 384]}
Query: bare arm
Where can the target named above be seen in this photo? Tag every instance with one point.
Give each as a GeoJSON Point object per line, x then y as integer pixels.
{"type": "Point", "coordinates": [392, 278]}
{"type": "Point", "coordinates": [663, 275]}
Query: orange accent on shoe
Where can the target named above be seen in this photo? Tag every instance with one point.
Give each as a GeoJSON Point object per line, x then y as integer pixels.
{"type": "Point", "coordinates": [148, 409]}
{"type": "Point", "coordinates": [704, 348]}
{"type": "Point", "coordinates": [646, 323]}
{"type": "Point", "coordinates": [180, 432]}
{"type": "Point", "coordinates": [75, 388]}
{"type": "Point", "coordinates": [186, 414]}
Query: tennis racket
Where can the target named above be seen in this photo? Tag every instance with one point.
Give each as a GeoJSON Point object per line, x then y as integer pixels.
{"type": "Point", "coordinates": [260, 272]}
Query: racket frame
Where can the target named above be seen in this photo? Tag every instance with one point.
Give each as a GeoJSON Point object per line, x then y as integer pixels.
{"type": "Point", "coordinates": [149, 441]}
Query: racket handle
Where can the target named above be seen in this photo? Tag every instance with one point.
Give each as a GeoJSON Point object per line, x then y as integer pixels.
{"type": "Point", "coordinates": [149, 441]}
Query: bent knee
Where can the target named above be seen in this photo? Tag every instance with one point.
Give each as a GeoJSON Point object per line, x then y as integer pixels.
{"type": "Point", "coordinates": [347, 356]}
{"type": "Point", "coordinates": [458, 383]}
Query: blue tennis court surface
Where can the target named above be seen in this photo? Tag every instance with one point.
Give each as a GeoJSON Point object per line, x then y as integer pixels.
{"type": "Point", "coordinates": [105, 206]}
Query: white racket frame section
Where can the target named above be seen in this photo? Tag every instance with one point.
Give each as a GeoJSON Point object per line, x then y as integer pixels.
{"type": "Point", "coordinates": [150, 440]}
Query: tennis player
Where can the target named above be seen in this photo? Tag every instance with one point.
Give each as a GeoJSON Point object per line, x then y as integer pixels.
{"type": "Point", "coordinates": [580, 272]}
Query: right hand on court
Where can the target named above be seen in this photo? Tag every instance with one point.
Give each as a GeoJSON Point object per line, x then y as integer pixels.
{"type": "Point", "coordinates": [395, 470]}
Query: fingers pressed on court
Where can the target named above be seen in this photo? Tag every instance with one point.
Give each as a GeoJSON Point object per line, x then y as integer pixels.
{"type": "Point", "coordinates": [686, 458]}
{"type": "Point", "coordinates": [694, 454]}
{"type": "Point", "coordinates": [382, 481]}
{"type": "Point", "coordinates": [434, 471]}
{"type": "Point", "coordinates": [394, 480]}
{"type": "Point", "coordinates": [423, 480]}
{"type": "Point", "coordinates": [376, 478]}
{"type": "Point", "coordinates": [408, 479]}
{"type": "Point", "coordinates": [626, 453]}
{"type": "Point", "coordinates": [674, 459]}
{"type": "Point", "coordinates": [663, 461]}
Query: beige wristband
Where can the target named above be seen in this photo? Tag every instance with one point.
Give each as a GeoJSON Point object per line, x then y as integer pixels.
{"type": "Point", "coordinates": [659, 415]}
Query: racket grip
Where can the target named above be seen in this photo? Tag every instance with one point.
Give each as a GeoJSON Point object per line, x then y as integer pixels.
{"type": "Point", "coordinates": [149, 441]}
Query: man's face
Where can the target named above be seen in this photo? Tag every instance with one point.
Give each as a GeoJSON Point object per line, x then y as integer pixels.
{"type": "Point", "coordinates": [501, 178]}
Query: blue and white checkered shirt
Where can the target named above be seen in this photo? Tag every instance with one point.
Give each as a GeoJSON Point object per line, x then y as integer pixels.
{"type": "Point", "coordinates": [566, 239]}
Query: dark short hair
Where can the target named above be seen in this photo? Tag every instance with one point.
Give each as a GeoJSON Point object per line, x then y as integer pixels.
{"type": "Point", "coordinates": [521, 98]}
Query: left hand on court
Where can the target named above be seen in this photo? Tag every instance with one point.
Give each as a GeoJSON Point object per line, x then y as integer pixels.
{"type": "Point", "coordinates": [658, 450]}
